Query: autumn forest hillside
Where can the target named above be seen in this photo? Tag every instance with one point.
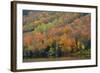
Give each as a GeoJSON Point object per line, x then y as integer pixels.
{"type": "Point", "coordinates": [51, 34]}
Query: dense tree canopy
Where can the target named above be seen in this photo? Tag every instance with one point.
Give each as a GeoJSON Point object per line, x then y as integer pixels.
{"type": "Point", "coordinates": [55, 33]}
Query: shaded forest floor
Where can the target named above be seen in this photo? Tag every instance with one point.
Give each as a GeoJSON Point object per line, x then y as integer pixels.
{"type": "Point", "coordinates": [80, 55]}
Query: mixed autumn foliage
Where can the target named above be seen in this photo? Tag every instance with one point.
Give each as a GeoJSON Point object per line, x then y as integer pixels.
{"type": "Point", "coordinates": [56, 34]}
